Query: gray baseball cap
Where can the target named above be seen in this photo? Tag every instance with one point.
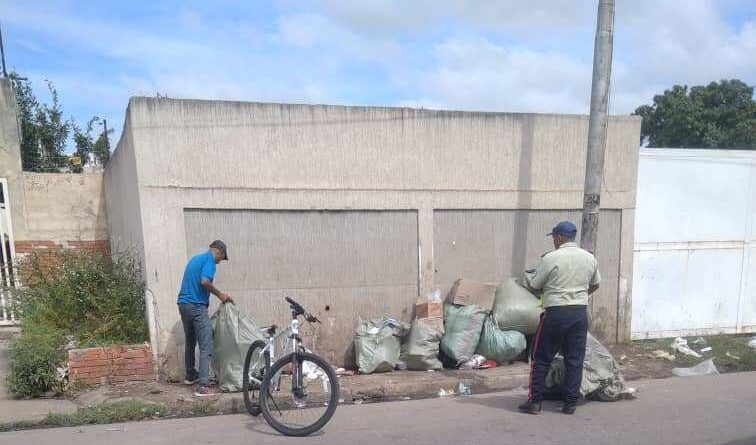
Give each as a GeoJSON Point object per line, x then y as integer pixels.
{"type": "Point", "coordinates": [220, 245]}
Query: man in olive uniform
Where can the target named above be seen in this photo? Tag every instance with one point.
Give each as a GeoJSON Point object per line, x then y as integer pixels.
{"type": "Point", "coordinates": [566, 277]}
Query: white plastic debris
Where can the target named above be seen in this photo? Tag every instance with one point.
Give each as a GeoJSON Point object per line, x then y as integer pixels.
{"type": "Point", "coordinates": [752, 343]}
{"type": "Point", "coordinates": [434, 297]}
{"type": "Point", "coordinates": [664, 354]}
{"type": "Point", "coordinates": [463, 390]}
{"type": "Point", "coordinates": [445, 392]}
{"type": "Point", "coordinates": [732, 356]}
{"type": "Point", "coordinates": [681, 345]}
{"type": "Point", "coordinates": [706, 349]}
{"type": "Point", "coordinates": [474, 363]}
{"type": "Point", "coordinates": [704, 368]}
{"type": "Point", "coordinates": [699, 341]}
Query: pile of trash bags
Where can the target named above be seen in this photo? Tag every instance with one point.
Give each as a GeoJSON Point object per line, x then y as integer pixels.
{"type": "Point", "coordinates": [464, 335]}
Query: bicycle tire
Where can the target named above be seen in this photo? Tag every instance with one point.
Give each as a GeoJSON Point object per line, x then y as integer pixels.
{"type": "Point", "coordinates": [332, 403]}
{"type": "Point", "coordinates": [252, 405]}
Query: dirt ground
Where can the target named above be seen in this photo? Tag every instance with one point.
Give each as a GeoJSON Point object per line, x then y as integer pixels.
{"type": "Point", "coordinates": [639, 358]}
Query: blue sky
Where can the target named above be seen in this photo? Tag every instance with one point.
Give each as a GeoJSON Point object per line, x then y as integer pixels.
{"type": "Point", "coordinates": [503, 55]}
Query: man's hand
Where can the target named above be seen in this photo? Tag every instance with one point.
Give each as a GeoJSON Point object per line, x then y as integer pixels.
{"type": "Point", "coordinates": [226, 298]}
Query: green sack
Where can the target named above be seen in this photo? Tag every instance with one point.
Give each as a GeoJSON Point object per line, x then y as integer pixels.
{"type": "Point", "coordinates": [420, 352]}
{"type": "Point", "coordinates": [233, 333]}
{"type": "Point", "coordinates": [516, 309]}
{"type": "Point", "coordinates": [377, 346]}
{"type": "Point", "coordinates": [500, 346]}
{"type": "Point", "coordinates": [463, 325]}
{"type": "Point", "coordinates": [602, 379]}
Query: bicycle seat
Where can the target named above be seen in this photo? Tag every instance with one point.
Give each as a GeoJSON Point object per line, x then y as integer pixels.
{"type": "Point", "coordinates": [269, 330]}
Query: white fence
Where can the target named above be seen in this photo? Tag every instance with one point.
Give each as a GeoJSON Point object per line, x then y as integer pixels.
{"type": "Point", "coordinates": [8, 278]}
{"type": "Point", "coordinates": [695, 243]}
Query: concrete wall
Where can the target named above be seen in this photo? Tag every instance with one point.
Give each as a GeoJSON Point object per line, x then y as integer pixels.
{"type": "Point", "coordinates": [695, 243]}
{"type": "Point", "coordinates": [459, 173]}
{"type": "Point", "coordinates": [10, 155]}
{"type": "Point", "coordinates": [64, 207]}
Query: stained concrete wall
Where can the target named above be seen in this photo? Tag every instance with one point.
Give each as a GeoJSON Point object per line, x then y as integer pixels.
{"type": "Point", "coordinates": [10, 155]}
{"type": "Point", "coordinates": [64, 207]}
{"type": "Point", "coordinates": [457, 173]}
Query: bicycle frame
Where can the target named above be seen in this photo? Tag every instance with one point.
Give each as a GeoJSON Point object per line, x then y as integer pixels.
{"type": "Point", "coordinates": [293, 344]}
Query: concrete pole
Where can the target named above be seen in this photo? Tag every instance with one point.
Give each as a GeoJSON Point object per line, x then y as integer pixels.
{"type": "Point", "coordinates": [594, 165]}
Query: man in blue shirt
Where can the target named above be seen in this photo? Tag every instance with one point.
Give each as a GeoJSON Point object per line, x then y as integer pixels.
{"type": "Point", "coordinates": [193, 300]}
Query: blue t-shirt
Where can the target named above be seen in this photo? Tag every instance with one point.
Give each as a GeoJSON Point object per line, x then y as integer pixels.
{"type": "Point", "coordinates": [199, 267]}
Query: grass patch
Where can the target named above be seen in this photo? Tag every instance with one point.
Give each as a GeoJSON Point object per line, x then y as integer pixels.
{"type": "Point", "coordinates": [740, 358]}
{"type": "Point", "coordinates": [116, 412]}
{"type": "Point", "coordinates": [204, 408]}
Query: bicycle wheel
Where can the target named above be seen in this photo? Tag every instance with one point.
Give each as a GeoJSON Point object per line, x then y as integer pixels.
{"type": "Point", "coordinates": [299, 413]}
{"type": "Point", "coordinates": [255, 367]}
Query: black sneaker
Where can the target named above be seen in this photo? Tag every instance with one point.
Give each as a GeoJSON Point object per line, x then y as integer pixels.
{"type": "Point", "coordinates": [530, 407]}
{"type": "Point", "coordinates": [568, 409]}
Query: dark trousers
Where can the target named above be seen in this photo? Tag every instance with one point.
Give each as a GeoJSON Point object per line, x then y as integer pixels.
{"type": "Point", "coordinates": [562, 328]}
{"type": "Point", "coordinates": [197, 331]}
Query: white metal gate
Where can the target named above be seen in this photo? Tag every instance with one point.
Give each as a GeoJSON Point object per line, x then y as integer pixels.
{"type": "Point", "coordinates": [695, 243]}
{"type": "Point", "coordinates": [8, 278]}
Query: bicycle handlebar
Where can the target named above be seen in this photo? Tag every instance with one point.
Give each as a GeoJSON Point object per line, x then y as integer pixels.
{"type": "Point", "coordinates": [299, 310]}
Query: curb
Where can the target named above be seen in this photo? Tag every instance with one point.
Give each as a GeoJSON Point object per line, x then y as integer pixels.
{"type": "Point", "coordinates": [396, 386]}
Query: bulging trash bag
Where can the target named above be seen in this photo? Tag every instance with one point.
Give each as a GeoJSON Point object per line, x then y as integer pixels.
{"type": "Point", "coordinates": [602, 379]}
{"type": "Point", "coordinates": [233, 333]}
{"type": "Point", "coordinates": [420, 351]}
{"type": "Point", "coordinates": [463, 325]}
{"type": "Point", "coordinates": [500, 346]}
{"type": "Point", "coordinates": [377, 345]}
{"type": "Point", "coordinates": [516, 309]}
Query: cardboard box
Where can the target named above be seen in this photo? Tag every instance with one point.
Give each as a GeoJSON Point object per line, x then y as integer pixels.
{"type": "Point", "coordinates": [425, 309]}
{"type": "Point", "coordinates": [467, 292]}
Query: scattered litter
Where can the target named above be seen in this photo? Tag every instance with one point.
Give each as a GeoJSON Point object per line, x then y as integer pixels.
{"type": "Point", "coordinates": [474, 363]}
{"type": "Point", "coordinates": [341, 401]}
{"type": "Point", "coordinates": [681, 345]}
{"type": "Point", "coordinates": [463, 390]}
{"type": "Point", "coordinates": [445, 393]}
{"type": "Point", "coordinates": [358, 401]}
{"type": "Point", "coordinates": [117, 430]}
{"type": "Point", "coordinates": [752, 343]}
{"type": "Point", "coordinates": [734, 357]}
{"type": "Point", "coordinates": [700, 341]}
{"type": "Point", "coordinates": [156, 391]}
{"type": "Point", "coordinates": [489, 364]}
{"type": "Point", "coordinates": [431, 370]}
{"type": "Point", "coordinates": [704, 368]}
{"type": "Point", "coordinates": [623, 358]}
{"type": "Point", "coordinates": [405, 398]}
{"type": "Point", "coordinates": [706, 349]}
{"type": "Point", "coordinates": [663, 354]}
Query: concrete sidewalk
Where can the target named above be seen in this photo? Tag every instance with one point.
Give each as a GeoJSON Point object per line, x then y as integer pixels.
{"type": "Point", "coordinates": [12, 410]}
{"type": "Point", "coordinates": [400, 385]}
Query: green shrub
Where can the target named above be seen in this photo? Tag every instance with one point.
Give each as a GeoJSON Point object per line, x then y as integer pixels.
{"type": "Point", "coordinates": [81, 296]}
{"type": "Point", "coordinates": [87, 296]}
{"type": "Point", "coordinates": [34, 356]}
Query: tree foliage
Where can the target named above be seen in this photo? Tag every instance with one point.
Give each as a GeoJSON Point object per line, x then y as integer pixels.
{"type": "Point", "coordinates": [718, 115]}
{"type": "Point", "coordinates": [45, 132]}
{"type": "Point", "coordinates": [86, 144]}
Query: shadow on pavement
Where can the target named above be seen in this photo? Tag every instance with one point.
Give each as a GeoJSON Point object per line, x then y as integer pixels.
{"type": "Point", "coordinates": [261, 427]}
{"type": "Point", "coordinates": [508, 403]}
{"type": "Point", "coordinates": [746, 441]}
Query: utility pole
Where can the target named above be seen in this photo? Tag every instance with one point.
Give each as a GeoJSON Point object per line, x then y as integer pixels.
{"type": "Point", "coordinates": [597, 123]}
{"type": "Point", "coordinates": [105, 129]}
{"type": "Point", "coordinates": [2, 52]}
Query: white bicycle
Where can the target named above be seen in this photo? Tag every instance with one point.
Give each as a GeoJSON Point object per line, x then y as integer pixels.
{"type": "Point", "coordinates": [299, 393]}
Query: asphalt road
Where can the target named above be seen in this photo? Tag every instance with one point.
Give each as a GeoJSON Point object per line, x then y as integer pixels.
{"type": "Point", "coordinates": [706, 410]}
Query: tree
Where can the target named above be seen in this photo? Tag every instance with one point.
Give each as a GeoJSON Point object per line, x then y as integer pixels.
{"type": "Point", "coordinates": [86, 145]}
{"type": "Point", "coordinates": [718, 115]}
{"type": "Point", "coordinates": [44, 131]}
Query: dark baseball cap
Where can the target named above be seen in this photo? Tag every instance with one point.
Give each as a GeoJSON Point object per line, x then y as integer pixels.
{"type": "Point", "coordinates": [220, 245]}
{"type": "Point", "coordinates": [564, 228]}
